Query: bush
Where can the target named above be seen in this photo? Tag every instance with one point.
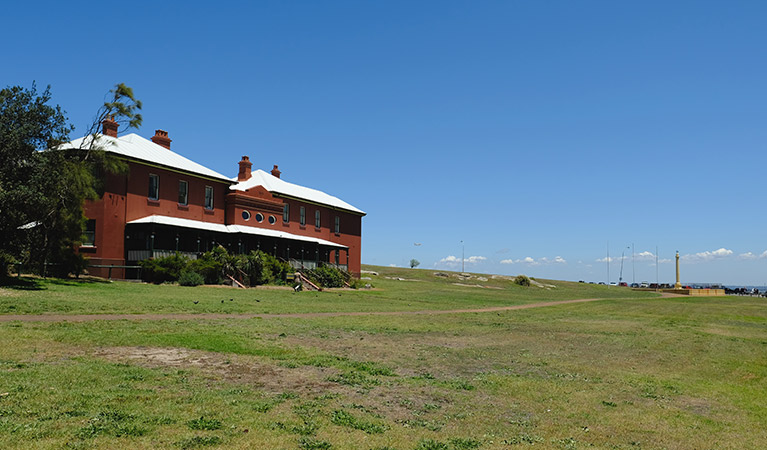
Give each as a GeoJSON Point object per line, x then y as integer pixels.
{"type": "Point", "coordinates": [522, 280]}
{"type": "Point", "coordinates": [160, 270]}
{"type": "Point", "coordinates": [275, 271]}
{"type": "Point", "coordinates": [188, 278]}
{"type": "Point", "coordinates": [206, 266]}
{"type": "Point", "coordinates": [328, 276]}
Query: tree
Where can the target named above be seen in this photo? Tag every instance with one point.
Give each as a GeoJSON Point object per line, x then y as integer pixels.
{"type": "Point", "coordinates": [414, 263]}
{"type": "Point", "coordinates": [43, 188]}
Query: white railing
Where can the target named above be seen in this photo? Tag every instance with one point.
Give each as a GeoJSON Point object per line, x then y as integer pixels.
{"type": "Point", "coordinates": [140, 255]}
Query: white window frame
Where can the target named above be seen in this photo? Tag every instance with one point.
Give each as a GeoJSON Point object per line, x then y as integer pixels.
{"type": "Point", "coordinates": [186, 192]}
{"type": "Point", "coordinates": [209, 205]}
{"type": "Point", "coordinates": [156, 194]}
{"type": "Point", "coordinates": [317, 219]}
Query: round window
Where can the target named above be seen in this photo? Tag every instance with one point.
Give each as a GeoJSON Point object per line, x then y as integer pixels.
{"type": "Point", "coordinates": [259, 217]}
{"type": "Point", "coordinates": [272, 220]}
{"type": "Point", "coordinates": [246, 215]}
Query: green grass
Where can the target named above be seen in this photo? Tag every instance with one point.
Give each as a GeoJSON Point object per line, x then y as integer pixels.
{"type": "Point", "coordinates": [622, 373]}
{"type": "Point", "coordinates": [422, 290]}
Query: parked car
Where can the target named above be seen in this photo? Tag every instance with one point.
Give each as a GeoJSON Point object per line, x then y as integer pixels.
{"type": "Point", "coordinates": [613, 283]}
{"type": "Point", "coordinates": [623, 283]}
{"type": "Point", "coordinates": [644, 284]}
{"type": "Point", "coordinates": [635, 285]}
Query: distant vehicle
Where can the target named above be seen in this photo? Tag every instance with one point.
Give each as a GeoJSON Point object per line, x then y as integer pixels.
{"type": "Point", "coordinates": [635, 285]}
{"type": "Point", "coordinates": [613, 283]}
{"type": "Point", "coordinates": [653, 285]}
{"type": "Point", "coordinates": [601, 282]}
{"type": "Point", "coordinates": [591, 282]}
{"type": "Point", "coordinates": [623, 283]}
{"type": "Point", "coordinates": [644, 284]}
{"type": "Point", "coordinates": [665, 286]}
{"type": "Point", "coordinates": [581, 281]}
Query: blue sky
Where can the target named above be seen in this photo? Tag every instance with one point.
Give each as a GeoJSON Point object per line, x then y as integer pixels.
{"type": "Point", "coordinates": [534, 132]}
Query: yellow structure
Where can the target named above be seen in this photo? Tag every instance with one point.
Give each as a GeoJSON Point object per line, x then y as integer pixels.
{"type": "Point", "coordinates": [677, 285]}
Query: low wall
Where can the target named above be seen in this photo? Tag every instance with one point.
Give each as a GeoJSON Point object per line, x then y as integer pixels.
{"type": "Point", "coordinates": [697, 292]}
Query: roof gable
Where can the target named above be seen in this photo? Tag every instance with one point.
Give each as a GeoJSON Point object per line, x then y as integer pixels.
{"type": "Point", "coordinates": [280, 186]}
{"type": "Point", "coordinates": [136, 147]}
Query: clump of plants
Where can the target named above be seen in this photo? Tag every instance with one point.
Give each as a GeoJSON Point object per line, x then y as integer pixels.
{"type": "Point", "coordinates": [522, 280]}
{"type": "Point", "coordinates": [188, 278]}
{"type": "Point", "coordinates": [213, 267]}
{"type": "Point", "coordinates": [328, 276]}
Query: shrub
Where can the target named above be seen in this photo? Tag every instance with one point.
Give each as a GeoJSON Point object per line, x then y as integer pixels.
{"type": "Point", "coordinates": [188, 278]}
{"type": "Point", "coordinates": [277, 270]}
{"type": "Point", "coordinates": [327, 276]}
{"type": "Point", "coordinates": [206, 266]}
{"type": "Point", "coordinates": [160, 270]}
{"type": "Point", "coordinates": [522, 280]}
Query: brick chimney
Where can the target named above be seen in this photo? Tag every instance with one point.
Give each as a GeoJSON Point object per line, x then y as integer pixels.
{"type": "Point", "coordinates": [244, 169]}
{"type": "Point", "coordinates": [109, 126]}
{"type": "Point", "coordinates": [161, 138]}
{"type": "Point", "coordinates": [276, 172]}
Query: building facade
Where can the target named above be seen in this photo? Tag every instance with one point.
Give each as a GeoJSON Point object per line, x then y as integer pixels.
{"type": "Point", "coordinates": [167, 203]}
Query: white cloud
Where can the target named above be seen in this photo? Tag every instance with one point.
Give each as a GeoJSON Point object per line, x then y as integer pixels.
{"type": "Point", "coordinates": [644, 256]}
{"type": "Point", "coordinates": [606, 259]}
{"type": "Point", "coordinates": [530, 261]}
{"type": "Point", "coordinates": [454, 261]}
{"type": "Point", "coordinates": [392, 265]}
{"type": "Point", "coordinates": [763, 255]}
{"type": "Point", "coordinates": [707, 255]}
{"type": "Point", "coordinates": [747, 255]}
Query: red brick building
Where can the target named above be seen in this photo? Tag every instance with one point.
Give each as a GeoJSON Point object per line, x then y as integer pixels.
{"type": "Point", "coordinates": [168, 203]}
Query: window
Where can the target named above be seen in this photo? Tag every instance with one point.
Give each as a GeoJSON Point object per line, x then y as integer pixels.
{"type": "Point", "coordinates": [338, 224]}
{"type": "Point", "coordinates": [286, 213]}
{"type": "Point", "coordinates": [89, 236]}
{"type": "Point", "coordinates": [183, 193]}
{"type": "Point", "coordinates": [259, 217]}
{"type": "Point", "coordinates": [317, 218]}
{"type": "Point", "coordinates": [272, 220]}
{"type": "Point", "coordinates": [246, 215]}
{"type": "Point", "coordinates": [208, 197]}
{"type": "Point", "coordinates": [302, 217]}
{"type": "Point", "coordinates": [154, 187]}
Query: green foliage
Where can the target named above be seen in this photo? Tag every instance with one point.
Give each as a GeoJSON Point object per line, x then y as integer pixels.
{"type": "Point", "coordinates": [344, 419]}
{"type": "Point", "coordinates": [188, 278]}
{"type": "Point", "coordinates": [308, 443]}
{"type": "Point", "coordinates": [522, 280]}
{"type": "Point", "coordinates": [276, 271]}
{"type": "Point", "coordinates": [327, 276]}
{"type": "Point", "coordinates": [204, 424]}
{"type": "Point", "coordinates": [414, 263]}
{"type": "Point", "coordinates": [161, 270]}
{"type": "Point", "coordinates": [207, 267]}
{"type": "Point", "coordinates": [42, 188]}
{"type": "Point", "coordinates": [198, 441]}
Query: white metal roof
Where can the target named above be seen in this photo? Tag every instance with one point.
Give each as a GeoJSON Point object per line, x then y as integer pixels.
{"type": "Point", "coordinates": [232, 229]}
{"type": "Point", "coordinates": [135, 146]}
{"type": "Point", "coordinates": [279, 186]}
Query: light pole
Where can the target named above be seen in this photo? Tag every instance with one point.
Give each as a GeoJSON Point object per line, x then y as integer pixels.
{"type": "Point", "coordinates": [633, 270]}
{"type": "Point", "coordinates": [620, 279]}
{"type": "Point", "coordinates": [463, 253]}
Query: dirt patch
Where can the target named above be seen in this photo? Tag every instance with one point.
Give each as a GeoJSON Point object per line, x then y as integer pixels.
{"type": "Point", "coordinates": [8, 293]}
{"type": "Point", "coordinates": [229, 367]}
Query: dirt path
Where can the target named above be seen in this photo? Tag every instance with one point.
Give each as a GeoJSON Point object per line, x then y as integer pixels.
{"type": "Point", "coordinates": [193, 316]}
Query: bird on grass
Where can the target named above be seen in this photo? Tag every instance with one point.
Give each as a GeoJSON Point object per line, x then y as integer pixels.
{"type": "Point", "coordinates": [222, 301]}
{"type": "Point", "coordinates": [196, 302]}
{"type": "Point", "coordinates": [231, 299]}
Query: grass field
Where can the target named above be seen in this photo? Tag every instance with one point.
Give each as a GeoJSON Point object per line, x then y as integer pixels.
{"type": "Point", "coordinates": [627, 372]}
